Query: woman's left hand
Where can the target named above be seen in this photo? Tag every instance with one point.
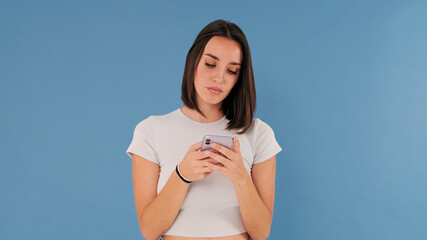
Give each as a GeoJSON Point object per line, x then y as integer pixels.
{"type": "Point", "coordinates": [230, 162]}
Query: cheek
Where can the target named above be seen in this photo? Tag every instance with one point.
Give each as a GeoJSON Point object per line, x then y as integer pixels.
{"type": "Point", "coordinates": [203, 75]}
{"type": "Point", "coordinates": [200, 78]}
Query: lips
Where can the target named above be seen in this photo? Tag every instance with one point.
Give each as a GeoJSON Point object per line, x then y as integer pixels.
{"type": "Point", "coordinates": [215, 90]}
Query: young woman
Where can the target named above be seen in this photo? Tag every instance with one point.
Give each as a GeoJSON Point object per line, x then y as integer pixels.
{"type": "Point", "coordinates": [184, 193]}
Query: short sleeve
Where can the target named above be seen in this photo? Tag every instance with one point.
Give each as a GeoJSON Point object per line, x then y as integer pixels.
{"type": "Point", "coordinates": [143, 143]}
{"type": "Point", "coordinates": [265, 145]}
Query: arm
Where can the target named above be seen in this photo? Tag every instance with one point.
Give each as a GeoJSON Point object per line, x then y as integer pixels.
{"type": "Point", "coordinates": [256, 199]}
{"type": "Point", "coordinates": [156, 213]}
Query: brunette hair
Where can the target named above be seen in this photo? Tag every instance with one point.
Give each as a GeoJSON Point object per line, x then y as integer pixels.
{"type": "Point", "coordinates": [239, 106]}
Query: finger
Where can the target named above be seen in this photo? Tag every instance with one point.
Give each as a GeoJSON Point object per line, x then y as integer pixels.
{"type": "Point", "coordinates": [216, 168]}
{"type": "Point", "coordinates": [223, 160]}
{"type": "Point", "coordinates": [219, 164]}
{"type": "Point", "coordinates": [196, 146]}
{"type": "Point", "coordinates": [204, 168]}
{"type": "Point", "coordinates": [201, 155]}
{"type": "Point", "coordinates": [213, 150]}
{"type": "Point", "coordinates": [208, 162]}
{"type": "Point", "coordinates": [216, 152]}
{"type": "Point", "coordinates": [227, 152]}
{"type": "Point", "coordinates": [236, 144]}
{"type": "Point", "coordinates": [200, 167]}
{"type": "Point", "coordinates": [204, 162]}
{"type": "Point", "coordinates": [205, 154]}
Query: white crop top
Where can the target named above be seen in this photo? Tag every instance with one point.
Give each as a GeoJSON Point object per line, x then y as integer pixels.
{"type": "Point", "coordinates": [210, 208]}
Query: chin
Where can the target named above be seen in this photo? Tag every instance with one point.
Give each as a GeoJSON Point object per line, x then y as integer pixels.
{"type": "Point", "coordinates": [212, 101]}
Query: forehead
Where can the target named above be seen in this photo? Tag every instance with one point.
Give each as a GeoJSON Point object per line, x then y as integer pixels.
{"type": "Point", "coordinates": [225, 49]}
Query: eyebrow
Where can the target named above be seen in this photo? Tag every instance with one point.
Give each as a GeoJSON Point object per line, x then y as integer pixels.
{"type": "Point", "coordinates": [216, 58]}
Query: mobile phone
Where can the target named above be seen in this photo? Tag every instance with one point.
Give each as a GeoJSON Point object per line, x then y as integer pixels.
{"type": "Point", "coordinates": [225, 141]}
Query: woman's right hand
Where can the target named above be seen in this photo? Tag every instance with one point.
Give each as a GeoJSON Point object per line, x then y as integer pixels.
{"type": "Point", "coordinates": [193, 165]}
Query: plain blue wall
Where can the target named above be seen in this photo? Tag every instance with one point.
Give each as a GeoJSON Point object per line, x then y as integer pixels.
{"type": "Point", "coordinates": [342, 83]}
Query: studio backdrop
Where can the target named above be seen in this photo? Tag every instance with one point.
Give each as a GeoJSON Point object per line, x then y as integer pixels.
{"type": "Point", "coordinates": [342, 83]}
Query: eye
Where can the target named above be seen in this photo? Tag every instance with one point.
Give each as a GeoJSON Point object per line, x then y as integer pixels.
{"type": "Point", "coordinates": [234, 73]}
{"type": "Point", "coordinates": [209, 65]}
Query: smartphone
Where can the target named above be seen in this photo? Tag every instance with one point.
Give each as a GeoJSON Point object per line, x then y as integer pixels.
{"type": "Point", "coordinates": [225, 141]}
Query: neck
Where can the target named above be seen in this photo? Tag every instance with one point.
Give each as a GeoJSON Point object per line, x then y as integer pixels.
{"type": "Point", "coordinates": [212, 113]}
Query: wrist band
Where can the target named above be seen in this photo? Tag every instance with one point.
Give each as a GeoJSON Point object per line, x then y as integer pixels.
{"type": "Point", "coordinates": [179, 174]}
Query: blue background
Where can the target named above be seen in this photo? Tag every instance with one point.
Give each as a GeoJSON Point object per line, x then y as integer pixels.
{"type": "Point", "coordinates": [342, 83]}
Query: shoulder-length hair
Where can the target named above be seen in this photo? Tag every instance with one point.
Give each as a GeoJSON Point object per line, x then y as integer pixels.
{"type": "Point", "coordinates": [239, 106]}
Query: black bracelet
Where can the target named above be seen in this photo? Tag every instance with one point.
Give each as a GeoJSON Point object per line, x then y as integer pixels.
{"type": "Point", "coordinates": [179, 174]}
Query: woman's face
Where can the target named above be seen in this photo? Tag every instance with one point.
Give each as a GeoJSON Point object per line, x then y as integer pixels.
{"type": "Point", "coordinates": [217, 71]}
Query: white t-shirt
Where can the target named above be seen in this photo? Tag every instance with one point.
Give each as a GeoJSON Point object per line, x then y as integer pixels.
{"type": "Point", "coordinates": [210, 208]}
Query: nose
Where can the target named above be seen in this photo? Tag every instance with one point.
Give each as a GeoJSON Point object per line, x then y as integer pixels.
{"type": "Point", "coordinates": [219, 75]}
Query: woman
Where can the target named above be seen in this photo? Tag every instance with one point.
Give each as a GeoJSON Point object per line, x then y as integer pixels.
{"type": "Point", "coordinates": [183, 193]}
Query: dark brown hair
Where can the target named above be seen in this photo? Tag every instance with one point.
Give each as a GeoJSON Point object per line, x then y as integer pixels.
{"type": "Point", "coordinates": [239, 106]}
